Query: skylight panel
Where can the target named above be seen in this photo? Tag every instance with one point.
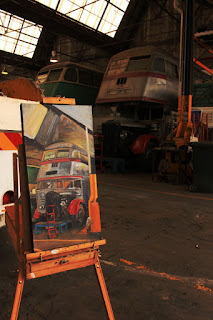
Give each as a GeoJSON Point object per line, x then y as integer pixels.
{"type": "Point", "coordinates": [111, 20]}
{"type": "Point", "coordinates": [92, 14]}
{"type": "Point", "coordinates": [70, 9]}
{"type": "Point", "coordinates": [102, 15]}
{"type": "Point", "coordinates": [121, 4]}
{"type": "Point", "coordinates": [6, 44]}
{"type": "Point", "coordinates": [17, 35]}
{"type": "Point", "coordinates": [24, 49]}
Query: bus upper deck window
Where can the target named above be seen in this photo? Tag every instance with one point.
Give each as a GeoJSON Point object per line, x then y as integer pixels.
{"type": "Point", "coordinates": [159, 65]}
{"type": "Point", "coordinates": [63, 153]}
{"type": "Point", "coordinates": [49, 155]}
{"type": "Point", "coordinates": [54, 75]}
{"type": "Point", "coordinates": [76, 154]}
{"type": "Point", "coordinates": [70, 75]}
{"type": "Point", "coordinates": [138, 63]}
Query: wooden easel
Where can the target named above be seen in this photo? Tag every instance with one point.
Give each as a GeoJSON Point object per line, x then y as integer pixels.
{"type": "Point", "coordinates": [42, 263]}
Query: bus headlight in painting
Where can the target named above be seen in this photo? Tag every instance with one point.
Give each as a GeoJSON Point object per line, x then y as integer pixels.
{"type": "Point", "coordinates": [123, 134]}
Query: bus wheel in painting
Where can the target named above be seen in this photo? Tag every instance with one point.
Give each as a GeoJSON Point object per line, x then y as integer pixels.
{"type": "Point", "coordinates": [80, 216]}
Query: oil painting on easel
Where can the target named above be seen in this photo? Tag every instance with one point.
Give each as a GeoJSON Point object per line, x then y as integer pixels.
{"type": "Point", "coordinates": [59, 151]}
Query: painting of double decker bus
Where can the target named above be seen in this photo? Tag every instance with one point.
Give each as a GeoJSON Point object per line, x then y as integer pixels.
{"type": "Point", "coordinates": [59, 143]}
{"type": "Point", "coordinates": [63, 181]}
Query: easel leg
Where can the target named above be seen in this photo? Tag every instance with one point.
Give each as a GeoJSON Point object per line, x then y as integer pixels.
{"type": "Point", "coordinates": [18, 295]}
{"type": "Point", "coordinates": [104, 290]}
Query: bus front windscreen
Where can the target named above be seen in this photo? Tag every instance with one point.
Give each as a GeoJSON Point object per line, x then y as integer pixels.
{"type": "Point", "coordinates": [138, 63]}
{"type": "Point", "coordinates": [54, 75]}
{"type": "Point", "coordinates": [117, 66]}
{"type": "Point", "coordinates": [63, 153]}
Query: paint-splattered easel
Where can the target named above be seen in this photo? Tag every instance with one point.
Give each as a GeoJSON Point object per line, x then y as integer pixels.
{"type": "Point", "coordinates": [42, 263]}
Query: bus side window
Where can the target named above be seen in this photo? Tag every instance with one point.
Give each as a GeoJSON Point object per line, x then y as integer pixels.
{"type": "Point", "coordinates": [76, 154]}
{"type": "Point", "coordinates": [77, 184]}
{"type": "Point", "coordinates": [69, 185]}
{"type": "Point", "coordinates": [54, 75]}
{"type": "Point", "coordinates": [66, 184]}
{"type": "Point", "coordinates": [59, 184]}
{"type": "Point", "coordinates": [70, 75]}
{"type": "Point", "coordinates": [158, 65]}
{"type": "Point", "coordinates": [85, 77]}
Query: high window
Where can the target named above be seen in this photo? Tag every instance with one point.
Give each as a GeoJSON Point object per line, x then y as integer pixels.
{"type": "Point", "coordinates": [18, 35]}
{"type": "Point", "coordinates": [101, 15]}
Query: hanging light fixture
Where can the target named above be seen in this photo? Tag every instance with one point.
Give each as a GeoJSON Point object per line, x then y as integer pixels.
{"type": "Point", "coordinates": [4, 72]}
{"type": "Point", "coordinates": [53, 57]}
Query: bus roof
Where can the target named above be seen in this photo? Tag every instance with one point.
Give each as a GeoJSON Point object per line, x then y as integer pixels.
{"type": "Point", "coordinates": [67, 64]}
{"type": "Point", "coordinates": [147, 50]}
{"type": "Point", "coordinates": [61, 145]}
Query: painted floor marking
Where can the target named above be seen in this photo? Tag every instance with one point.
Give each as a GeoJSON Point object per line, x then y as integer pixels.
{"type": "Point", "coordinates": [64, 240]}
{"type": "Point", "coordinates": [197, 283]}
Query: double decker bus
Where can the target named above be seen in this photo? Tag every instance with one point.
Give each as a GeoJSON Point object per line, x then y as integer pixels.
{"type": "Point", "coordinates": [137, 96]}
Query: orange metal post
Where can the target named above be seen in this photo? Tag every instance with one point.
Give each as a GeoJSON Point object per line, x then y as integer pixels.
{"type": "Point", "coordinates": [94, 210]}
{"type": "Point", "coordinates": [190, 111]}
{"type": "Point", "coordinates": [18, 294]}
{"type": "Point", "coordinates": [180, 116]}
{"type": "Point", "coordinates": [188, 130]}
{"type": "Point", "coordinates": [104, 289]}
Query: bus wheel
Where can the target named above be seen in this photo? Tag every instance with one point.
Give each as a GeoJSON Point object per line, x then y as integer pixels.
{"type": "Point", "coordinates": [80, 216]}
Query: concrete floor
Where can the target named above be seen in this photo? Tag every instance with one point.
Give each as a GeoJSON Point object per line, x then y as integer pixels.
{"type": "Point", "coordinates": [157, 263]}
